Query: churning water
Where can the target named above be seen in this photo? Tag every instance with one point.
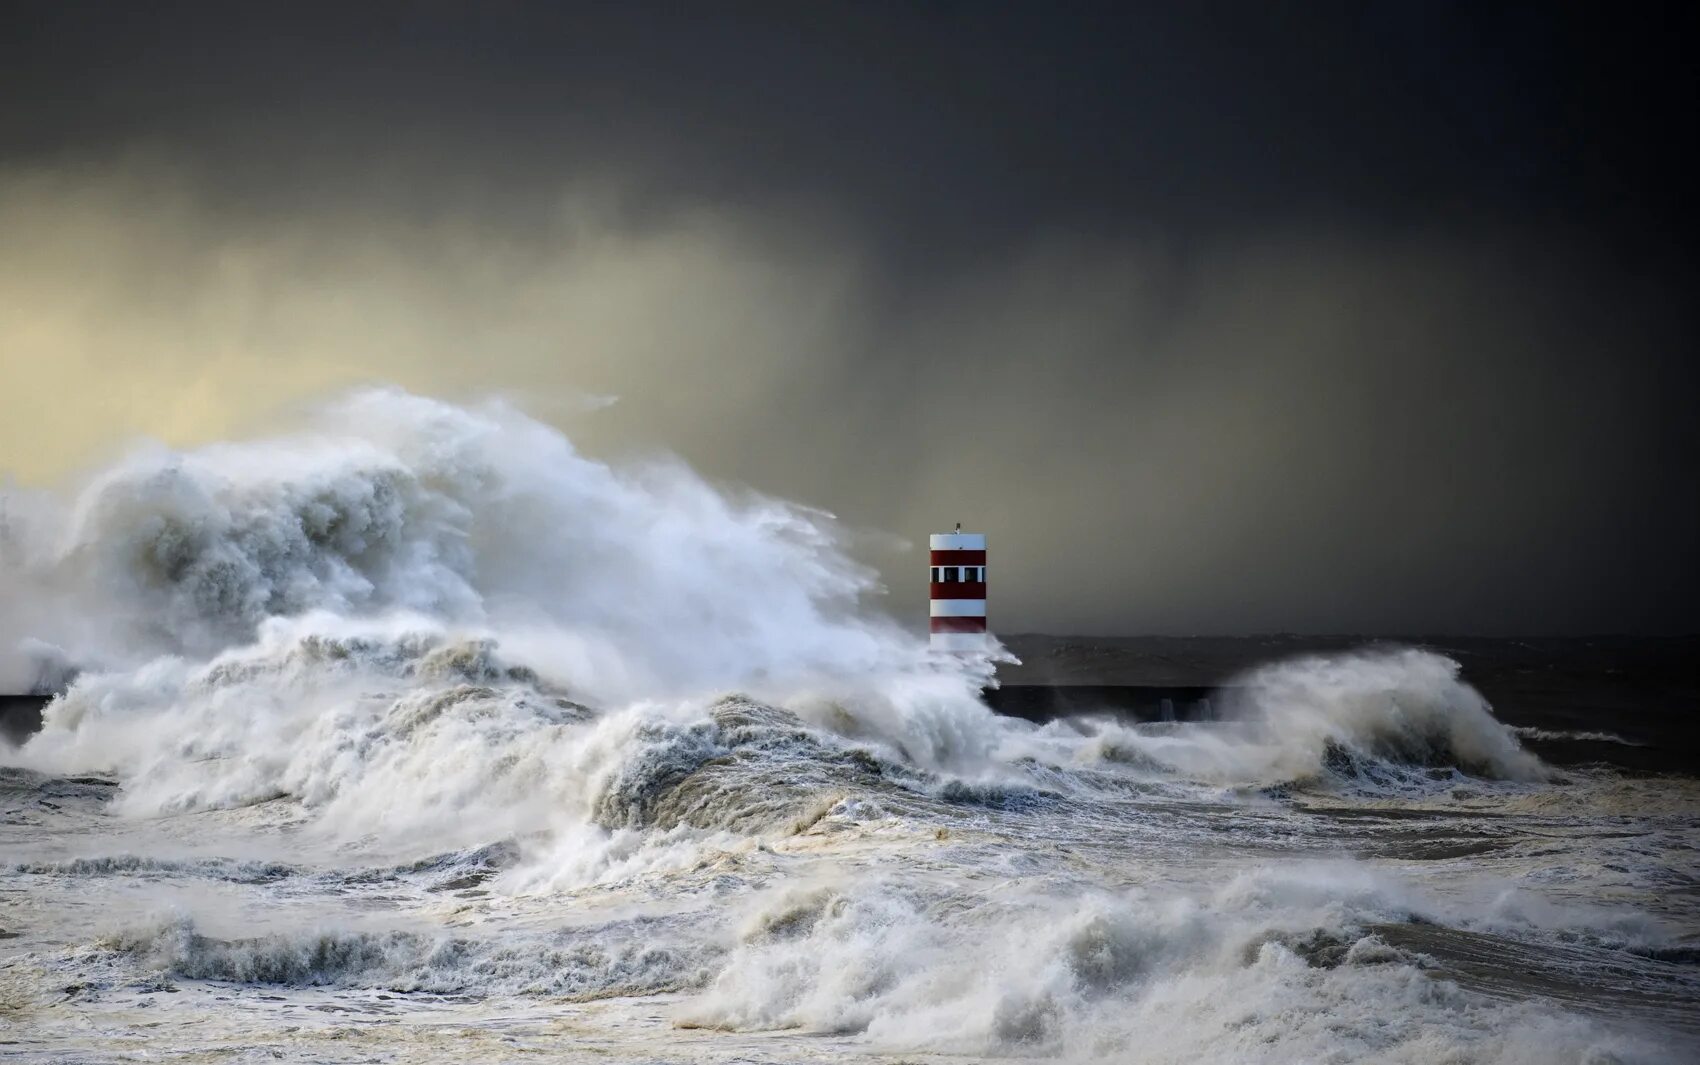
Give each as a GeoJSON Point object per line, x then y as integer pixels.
{"type": "Point", "coordinates": [419, 736]}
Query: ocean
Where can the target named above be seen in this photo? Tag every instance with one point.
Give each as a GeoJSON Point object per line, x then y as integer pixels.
{"type": "Point", "coordinates": [415, 735]}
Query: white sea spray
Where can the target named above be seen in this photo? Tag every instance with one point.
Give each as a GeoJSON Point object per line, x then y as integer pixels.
{"type": "Point", "coordinates": [420, 702]}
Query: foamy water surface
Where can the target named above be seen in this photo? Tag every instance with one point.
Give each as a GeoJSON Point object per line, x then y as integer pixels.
{"type": "Point", "coordinates": [418, 736]}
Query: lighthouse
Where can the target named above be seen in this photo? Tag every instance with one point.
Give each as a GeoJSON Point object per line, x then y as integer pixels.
{"type": "Point", "coordinates": [958, 591]}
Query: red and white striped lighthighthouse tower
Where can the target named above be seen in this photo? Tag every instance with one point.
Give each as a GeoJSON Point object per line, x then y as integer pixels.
{"type": "Point", "coordinates": [958, 591]}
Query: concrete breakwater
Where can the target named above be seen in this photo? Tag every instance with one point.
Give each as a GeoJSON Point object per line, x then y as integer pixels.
{"type": "Point", "coordinates": [1136, 702]}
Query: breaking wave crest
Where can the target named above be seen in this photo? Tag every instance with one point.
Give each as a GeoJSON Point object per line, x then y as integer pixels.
{"type": "Point", "coordinates": [1403, 706]}
{"type": "Point", "coordinates": [616, 961]}
{"type": "Point", "coordinates": [1379, 718]}
{"type": "Point", "coordinates": [417, 734]}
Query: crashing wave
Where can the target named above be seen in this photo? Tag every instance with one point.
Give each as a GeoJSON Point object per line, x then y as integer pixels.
{"type": "Point", "coordinates": [612, 961]}
{"type": "Point", "coordinates": [1405, 706]}
{"type": "Point", "coordinates": [1380, 719]}
{"type": "Point", "coordinates": [640, 579]}
{"type": "Point", "coordinates": [747, 767]}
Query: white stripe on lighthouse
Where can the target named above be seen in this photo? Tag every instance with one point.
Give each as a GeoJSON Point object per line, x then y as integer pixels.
{"type": "Point", "coordinates": [958, 641]}
{"type": "Point", "coordinates": [956, 542]}
{"type": "Point", "coordinates": [958, 608]}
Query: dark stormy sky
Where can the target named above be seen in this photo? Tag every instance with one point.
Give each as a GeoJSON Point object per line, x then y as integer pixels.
{"type": "Point", "coordinates": [1349, 317]}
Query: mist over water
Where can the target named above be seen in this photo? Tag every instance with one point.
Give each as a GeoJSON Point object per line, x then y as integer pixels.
{"type": "Point", "coordinates": [421, 735]}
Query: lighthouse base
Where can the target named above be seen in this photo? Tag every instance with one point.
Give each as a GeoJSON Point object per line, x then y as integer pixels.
{"type": "Point", "coordinates": [969, 642]}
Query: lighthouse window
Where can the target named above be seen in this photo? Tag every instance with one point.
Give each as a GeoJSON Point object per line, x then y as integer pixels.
{"type": "Point", "coordinates": [957, 574]}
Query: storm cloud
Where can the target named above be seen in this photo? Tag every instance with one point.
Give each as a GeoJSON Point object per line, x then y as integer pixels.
{"type": "Point", "coordinates": [1374, 320]}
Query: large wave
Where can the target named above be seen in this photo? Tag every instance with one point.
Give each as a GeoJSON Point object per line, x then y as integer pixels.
{"type": "Point", "coordinates": [1372, 717]}
{"type": "Point", "coordinates": [633, 579]}
{"type": "Point", "coordinates": [410, 615]}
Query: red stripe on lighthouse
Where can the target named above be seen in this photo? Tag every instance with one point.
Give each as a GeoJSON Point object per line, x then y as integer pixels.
{"type": "Point", "coordinates": [958, 590]}
{"type": "Point", "coordinates": [959, 558]}
{"type": "Point", "coordinates": [958, 624]}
